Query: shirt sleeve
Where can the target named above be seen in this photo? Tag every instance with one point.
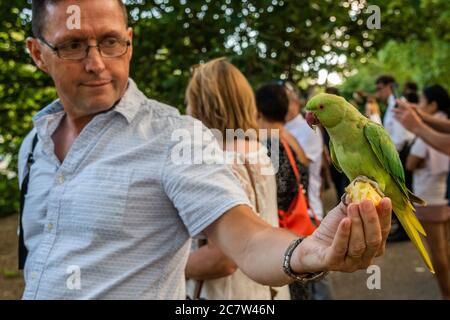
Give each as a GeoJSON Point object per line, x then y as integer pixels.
{"type": "Point", "coordinates": [197, 180]}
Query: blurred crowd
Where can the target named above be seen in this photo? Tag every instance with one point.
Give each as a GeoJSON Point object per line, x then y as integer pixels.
{"type": "Point", "coordinates": [416, 119]}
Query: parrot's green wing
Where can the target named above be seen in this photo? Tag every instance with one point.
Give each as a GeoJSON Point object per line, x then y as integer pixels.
{"type": "Point", "coordinates": [385, 151]}
{"type": "Point", "coordinates": [333, 157]}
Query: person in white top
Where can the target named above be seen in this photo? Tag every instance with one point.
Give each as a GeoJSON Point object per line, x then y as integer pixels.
{"type": "Point", "coordinates": [220, 96]}
{"type": "Point", "coordinates": [430, 169]}
{"type": "Point", "coordinates": [385, 92]}
{"type": "Point", "coordinates": [312, 144]}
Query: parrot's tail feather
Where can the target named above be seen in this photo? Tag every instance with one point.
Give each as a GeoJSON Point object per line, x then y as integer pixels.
{"type": "Point", "coordinates": [415, 222]}
{"type": "Point", "coordinates": [409, 222]}
{"type": "Point", "coordinates": [416, 199]}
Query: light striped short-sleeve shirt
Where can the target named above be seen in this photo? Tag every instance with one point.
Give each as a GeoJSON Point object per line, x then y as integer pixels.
{"type": "Point", "coordinates": [115, 219]}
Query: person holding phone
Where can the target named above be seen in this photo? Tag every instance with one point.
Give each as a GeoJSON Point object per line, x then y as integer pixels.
{"type": "Point", "coordinates": [386, 87]}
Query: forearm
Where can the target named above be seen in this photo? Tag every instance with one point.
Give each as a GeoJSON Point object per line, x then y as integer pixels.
{"type": "Point", "coordinates": [256, 247]}
{"type": "Point", "coordinates": [440, 125]}
{"type": "Point", "coordinates": [267, 268]}
{"type": "Point", "coordinates": [439, 141]}
{"type": "Point", "coordinates": [208, 263]}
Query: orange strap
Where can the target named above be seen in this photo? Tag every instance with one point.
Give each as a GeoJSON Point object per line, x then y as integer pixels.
{"type": "Point", "coordinates": [297, 175]}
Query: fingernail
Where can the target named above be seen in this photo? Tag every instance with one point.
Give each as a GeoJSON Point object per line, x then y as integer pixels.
{"type": "Point", "coordinates": [386, 203]}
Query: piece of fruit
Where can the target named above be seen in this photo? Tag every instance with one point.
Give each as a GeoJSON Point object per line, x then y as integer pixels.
{"type": "Point", "coordinates": [359, 190]}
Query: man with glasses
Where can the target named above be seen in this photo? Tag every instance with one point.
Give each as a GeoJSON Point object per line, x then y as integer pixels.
{"type": "Point", "coordinates": [108, 213]}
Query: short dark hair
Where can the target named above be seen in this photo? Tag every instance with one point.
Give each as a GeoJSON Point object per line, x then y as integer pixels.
{"type": "Point", "coordinates": [39, 12]}
{"type": "Point", "coordinates": [411, 86]}
{"type": "Point", "coordinates": [412, 97]}
{"type": "Point", "coordinates": [272, 101]}
{"type": "Point", "coordinates": [440, 95]}
{"type": "Point", "coordinates": [385, 79]}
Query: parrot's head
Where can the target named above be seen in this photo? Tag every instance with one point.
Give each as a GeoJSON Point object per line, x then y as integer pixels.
{"type": "Point", "coordinates": [325, 109]}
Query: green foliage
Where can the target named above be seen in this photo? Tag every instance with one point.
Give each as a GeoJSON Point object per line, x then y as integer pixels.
{"type": "Point", "coordinates": [425, 63]}
{"type": "Point", "coordinates": [266, 39]}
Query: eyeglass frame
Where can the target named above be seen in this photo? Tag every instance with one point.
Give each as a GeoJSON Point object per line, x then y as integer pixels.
{"type": "Point", "coordinates": [55, 49]}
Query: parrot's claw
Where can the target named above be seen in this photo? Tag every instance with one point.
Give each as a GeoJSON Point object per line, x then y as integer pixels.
{"type": "Point", "coordinates": [369, 181]}
{"type": "Point", "coordinates": [344, 199]}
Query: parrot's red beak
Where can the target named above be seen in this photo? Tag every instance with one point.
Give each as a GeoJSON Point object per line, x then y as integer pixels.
{"type": "Point", "coordinates": [311, 120]}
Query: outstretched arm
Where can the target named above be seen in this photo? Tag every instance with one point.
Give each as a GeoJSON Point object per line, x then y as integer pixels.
{"type": "Point", "coordinates": [208, 262]}
{"type": "Point", "coordinates": [347, 240]}
{"type": "Point", "coordinates": [409, 117]}
{"type": "Point", "coordinates": [406, 111]}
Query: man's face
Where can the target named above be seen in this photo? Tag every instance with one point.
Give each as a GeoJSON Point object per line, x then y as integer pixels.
{"type": "Point", "coordinates": [93, 84]}
{"type": "Point", "coordinates": [383, 91]}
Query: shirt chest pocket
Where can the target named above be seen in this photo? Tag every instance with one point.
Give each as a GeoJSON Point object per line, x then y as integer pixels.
{"type": "Point", "coordinates": [99, 199]}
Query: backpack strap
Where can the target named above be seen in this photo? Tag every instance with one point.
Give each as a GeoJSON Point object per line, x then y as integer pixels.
{"type": "Point", "coordinates": [23, 251]}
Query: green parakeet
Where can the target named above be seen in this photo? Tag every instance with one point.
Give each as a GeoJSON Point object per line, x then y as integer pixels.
{"type": "Point", "coordinates": [360, 147]}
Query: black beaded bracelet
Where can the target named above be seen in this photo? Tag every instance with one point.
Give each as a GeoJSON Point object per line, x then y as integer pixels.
{"type": "Point", "coordinates": [302, 278]}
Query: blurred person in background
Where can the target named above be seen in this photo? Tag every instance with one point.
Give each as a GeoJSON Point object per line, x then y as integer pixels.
{"type": "Point", "coordinates": [372, 110]}
{"type": "Point", "coordinates": [430, 168]}
{"type": "Point", "coordinates": [402, 138]}
{"type": "Point", "coordinates": [434, 131]}
{"type": "Point", "coordinates": [272, 103]}
{"type": "Point", "coordinates": [312, 144]}
{"type": "Point", "coordinates": [386, 93]}
{"type": "Point", "coordinates": [275, 108]}
{"type": "Point", "coordinates": [220, 96]}
{"type": "Point", "coordinates": [410, 92]}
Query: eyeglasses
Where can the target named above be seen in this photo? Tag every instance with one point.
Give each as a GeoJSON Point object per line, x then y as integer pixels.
{"type": "Point", "coordinates": [77, 50]}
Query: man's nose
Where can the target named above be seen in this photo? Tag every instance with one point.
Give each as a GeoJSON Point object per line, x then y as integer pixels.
{"type": "Point", "coordinates": [94, 61]}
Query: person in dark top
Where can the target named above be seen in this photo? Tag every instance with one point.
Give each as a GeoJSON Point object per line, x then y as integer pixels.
{"type": "Point", "coordinates": [272, 104]}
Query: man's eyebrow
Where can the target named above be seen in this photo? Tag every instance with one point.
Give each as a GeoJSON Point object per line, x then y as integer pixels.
{"type": "Point", "coordinates": [114, 34]}
{"type": "Point", "coordinates": [68, 38]}
{"type": "Point", "coordinates": [79, 37]}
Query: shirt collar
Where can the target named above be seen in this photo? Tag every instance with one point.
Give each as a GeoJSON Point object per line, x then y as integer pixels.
{"type": "Point", "coordinates": [128, 106]}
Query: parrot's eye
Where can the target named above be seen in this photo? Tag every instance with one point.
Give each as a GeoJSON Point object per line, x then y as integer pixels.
{"type": "Point", "coordinates": [321, 107]}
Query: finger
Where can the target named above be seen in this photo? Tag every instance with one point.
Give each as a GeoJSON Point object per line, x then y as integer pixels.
{"type": "Point", "coordinates": [339, 247]}
{"type": "Point", "coordinates": [372, 228]}
{"type": "Point", "coordinates": [385, 214]}
{"type": "Point", "coordinates": [397, 111]}
{"type": "Point", "coordinates": [357, 243]}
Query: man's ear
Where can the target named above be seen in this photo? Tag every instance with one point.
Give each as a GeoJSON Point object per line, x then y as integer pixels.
{"type": "Point", "coordinates": [35, 52]}
{"type": "Point", "coordinates": [130, 36]}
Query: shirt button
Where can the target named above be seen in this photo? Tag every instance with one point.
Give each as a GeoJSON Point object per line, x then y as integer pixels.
{"type": "Point", "coordinates": [34, 275]}
{"type": "Point", "coordinates": [50, 226]}
{"type": "Point", "coordinates": [61, 179]}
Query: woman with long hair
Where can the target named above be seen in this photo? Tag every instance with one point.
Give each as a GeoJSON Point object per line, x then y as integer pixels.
{"type": "Point", "coordinates": [220, 96]}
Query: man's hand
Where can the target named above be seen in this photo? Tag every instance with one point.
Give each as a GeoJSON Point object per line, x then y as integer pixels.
{"type": "Point", "coordinates": [347, 239]}
{"type": "Point", "coordinates": [408, 115]}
